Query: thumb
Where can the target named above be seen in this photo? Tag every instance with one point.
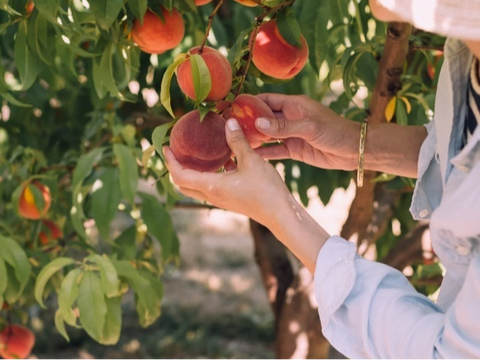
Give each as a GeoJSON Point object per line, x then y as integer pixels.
{"type": "Point", "coordinates": [281, 128]}
{"type": "Point", "coordinates": [236, 139]}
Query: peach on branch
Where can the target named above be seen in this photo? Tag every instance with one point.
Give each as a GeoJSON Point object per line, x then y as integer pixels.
{"type": "Point", "coordinates": [202, 2]}
{"type": "Point", "coordinates": [200, 145]}
{"type": "Point", "coordinates": [16, 342]}
{"type": "Point", "coordinates": [220, 74]}
{"type": "Point", "coordinates": [249, 3]}
{"type": "Point", "coordinates": [158, 34]}
{"type": "Point", "coordinates": [274, 56]}
{"type": "Point", "coordinates": [246, 109]}
{"type": "Point", "coordinates": [49, 232]}
{"type": "Point", "coordinates": [27, 208]}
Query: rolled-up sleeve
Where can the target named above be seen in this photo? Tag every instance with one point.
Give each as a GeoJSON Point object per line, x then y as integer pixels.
{"type": "Point", "coordinates": [370, 310]}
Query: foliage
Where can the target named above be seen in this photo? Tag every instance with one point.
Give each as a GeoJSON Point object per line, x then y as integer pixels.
{"type": "Point", "coordinates": [80, 102]}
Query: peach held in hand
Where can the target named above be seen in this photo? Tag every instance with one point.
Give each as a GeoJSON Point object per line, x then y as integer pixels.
{"type": "Point", "coordinates": [157, 35]}
{"type": "Point", "coordinates": [246, 109]}
{"type": "Point", "coordinates": [16, 342]}
{"type": "Point", "coordinates": [199, 145]}
{"type": "Point", "coordinates": [220, 73]}
{"type": "Point", "coordinates": [274, 56]}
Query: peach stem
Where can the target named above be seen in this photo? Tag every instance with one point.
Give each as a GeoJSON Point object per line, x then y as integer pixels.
{"type": "Point", "coordinates": [209, 26]}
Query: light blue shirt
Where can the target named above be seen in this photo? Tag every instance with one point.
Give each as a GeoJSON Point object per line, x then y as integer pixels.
{"type": "Point", "coordinates": [370, 310]}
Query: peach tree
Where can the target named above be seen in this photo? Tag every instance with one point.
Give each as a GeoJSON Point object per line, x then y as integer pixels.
{"type": "Point", "coordinates": [91, 90]}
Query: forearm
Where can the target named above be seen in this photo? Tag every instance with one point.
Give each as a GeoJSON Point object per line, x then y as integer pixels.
{"type": "Point", "coordinates": [297, 230]}
{"type": "Point", "coordinates": [393, 148]}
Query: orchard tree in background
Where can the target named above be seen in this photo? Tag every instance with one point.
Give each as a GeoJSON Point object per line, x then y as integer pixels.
{"type": "Point", "coordinates": [90, 92]}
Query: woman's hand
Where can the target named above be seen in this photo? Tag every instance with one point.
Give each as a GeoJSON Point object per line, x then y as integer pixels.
{"type": "Point", "coordinates": [310, 132]}
{"type": "Point", "coordinates": [252, 187]}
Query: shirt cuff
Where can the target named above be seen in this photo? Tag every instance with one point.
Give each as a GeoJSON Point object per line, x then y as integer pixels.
{"type": "Point", "coordinates": [334, 275]}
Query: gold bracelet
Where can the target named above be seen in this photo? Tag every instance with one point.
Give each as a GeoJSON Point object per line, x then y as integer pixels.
{"type": "Point", "coordinates": [361, 153]}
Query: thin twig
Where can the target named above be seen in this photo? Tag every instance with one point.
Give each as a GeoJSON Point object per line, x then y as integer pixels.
{"type": "Point", "coordinates": [251, 44]}
{"type": "Point", "coordinates": [209, 26]}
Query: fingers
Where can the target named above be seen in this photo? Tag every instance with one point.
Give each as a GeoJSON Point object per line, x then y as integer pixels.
{"type": "Point", "coordinates": [236, 139]}
{"type": "Point", "coordinates": [276, 102]}
{"type": "Point", "coordinates": [184, 177]}
{"type": "Point", "coordinates": [281, 128]}
{"type": "Point", "coordinates": [274, 152]}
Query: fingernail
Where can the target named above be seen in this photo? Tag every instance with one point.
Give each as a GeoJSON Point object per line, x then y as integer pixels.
{"type": "Point", "coordinates": [233, 125]}
{"type": "Point", "coordinates": [263, 123]}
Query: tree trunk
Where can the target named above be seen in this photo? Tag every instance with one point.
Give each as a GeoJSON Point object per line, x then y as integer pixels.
{"type": "Point", "coordinates": [290, 292]}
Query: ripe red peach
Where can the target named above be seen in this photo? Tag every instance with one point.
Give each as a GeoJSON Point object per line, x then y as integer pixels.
{"type": "Point", "coordinates": [220, 73]}
{"type": "Point", "coordinates": [202, 2]}
{"type": "Point", "coordinates": [16, 342]}
{"type": "Point", "coordinates": [49, 232]}
{"type": "Point", "coordinates": [274, 56]}
{"type": "Point", "coordinates": [157, 35]}
{"type": "Point", "coordinates": [200, 145]}
{"type": "Point", "coordinates": [246, 109]}
{"type": "Point", "coordinates": [26, 204]}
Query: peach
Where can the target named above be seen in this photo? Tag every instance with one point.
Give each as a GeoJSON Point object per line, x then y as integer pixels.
{"type": "Point", "coordinates": [246, 109]}
{"type": "Point", "coordinates": [249, 3]}
{"type": "Point", "coordinates": [16, 342]}
{"type": "Point", "coordinates": [49, 232]}
{"type": "Point", "coordinates": [157, 35]}
{"type": "Point", "coordinates": [26, 204]}
{"type": "Point", "coordinates": [200, 145]}
{"type": "Point", "coordinates": [202, 2]}
{"type": "Point", "coordinates": [274, 56]}
{"type": "Point", "coordinates": [220, 73]}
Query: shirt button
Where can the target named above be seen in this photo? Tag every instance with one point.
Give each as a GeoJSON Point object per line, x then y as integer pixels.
{"type": "Point", "coordinates": [423, 213]}
{"type": "Point", "coordinates": [462, 250]}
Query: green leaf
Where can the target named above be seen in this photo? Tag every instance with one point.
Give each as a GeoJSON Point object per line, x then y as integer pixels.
{"type": "Point", "coordinates": [24, 60]}
{"type": "Point", "coordinates": [67, 295]}
{"type": "Point", "coordinates": [202, 81]}
{"type": "Point", "coordinates": [48, 9]}
{"type": "Point", "coordinates": [82, 170]}
{"type": "Point", "coordinates": [3, 276]}
{"type": "Point", "coordinates": [138, 8]}
{"type": "Point", "coordinates": [60, 325]}
{"type": "Point", "coordinates": [113, 322]}
{"type": "Point", "coordinates": [92, 306]}
{"type": "Point", "coordinates": [108, 274]}
{"type": "Point", "coordinates": [85, 165]}
{"type": "Point", "coordinates": [148, 307]}
{"type": "Point", "coordinates": [289, 27]}
{"type": "Point", "coordinates": [401, 116]}
{"type": "Point", "coordinates": [127, 248]}
{"type": "Point", "coordinates": [127, 164]}
{"type": "Point", "coordinates": [13, 290]}
{"type": "Point", "coordinates": [105, 200]}
{"type": "Point", "coordinates": [167, 80]}
{"type": "Point", "coordinates": [46, 273]}
{"type": "Point", "coordinates": [103, 78]}
{"type": "Point", "coordinates": [106, 12]}
{"type": "Point", "coordinates": [159, 136]}
{"type": "Point", "coordinates": [15, 256]}
{"type": "Point", "coordinates": [159, 224]}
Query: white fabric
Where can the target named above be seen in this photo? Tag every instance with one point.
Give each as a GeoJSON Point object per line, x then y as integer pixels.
{"type": "Point", "coordinates": [369, 310]}
{"type": "Point", "coordinates": [454, 18]}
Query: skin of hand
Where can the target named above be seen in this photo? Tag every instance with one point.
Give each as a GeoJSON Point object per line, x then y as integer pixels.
{"type": "Point", "coordinates": [310, 132]}
{"type": "Point", "coordinates": [314, 134]}
{"type": "Point", "coordinates": [251, 187]}
{"type": "Point", "coordinates": [254, 188]}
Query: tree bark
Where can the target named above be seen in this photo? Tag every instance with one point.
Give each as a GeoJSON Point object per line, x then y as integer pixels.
{"type": "Point", "coordinates": [291, 297]}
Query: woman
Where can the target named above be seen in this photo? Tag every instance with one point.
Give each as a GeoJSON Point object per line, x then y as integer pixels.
{"type": "Point", "coordinates": [368, 309]}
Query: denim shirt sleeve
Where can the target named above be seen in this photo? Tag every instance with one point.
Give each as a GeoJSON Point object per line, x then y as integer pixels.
{"type": "Point", "coordinates": [370, 310]}
{"type": "Point", "coordinates": [428, 188]}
